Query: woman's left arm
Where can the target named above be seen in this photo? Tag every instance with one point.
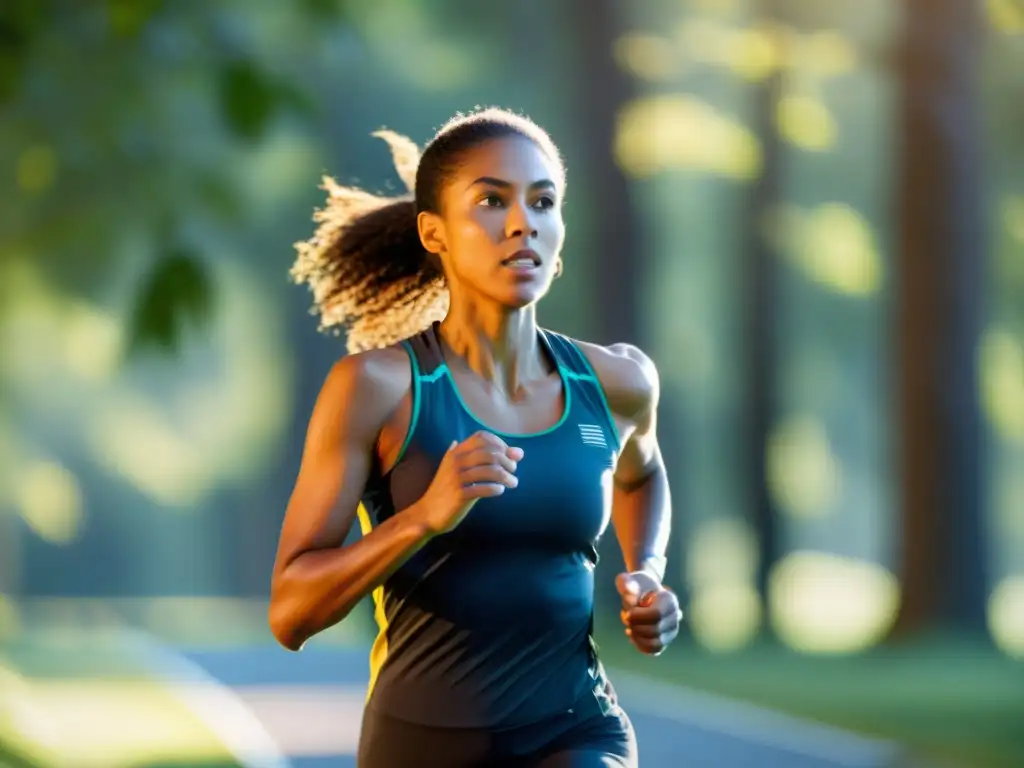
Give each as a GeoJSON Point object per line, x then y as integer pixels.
{"type": "Point", "coordinates": [641, 502]}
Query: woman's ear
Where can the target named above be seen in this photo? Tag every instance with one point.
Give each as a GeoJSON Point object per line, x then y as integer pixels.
{"type": "Point", "coordinates": [431, 229]}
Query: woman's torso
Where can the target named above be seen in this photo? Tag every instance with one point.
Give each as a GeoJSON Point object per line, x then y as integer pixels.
{"type": "Point", "coordinates": [489, 625]}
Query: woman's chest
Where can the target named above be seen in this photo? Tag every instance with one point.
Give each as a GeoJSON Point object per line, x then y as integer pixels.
{"type": "Point", "coordinates": [563, 496]}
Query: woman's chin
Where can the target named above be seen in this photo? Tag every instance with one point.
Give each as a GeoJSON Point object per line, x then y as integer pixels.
{"type": "Point", "coordinates": [522, 296]}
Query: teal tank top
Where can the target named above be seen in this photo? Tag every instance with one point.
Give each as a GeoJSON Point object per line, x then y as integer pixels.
{"type": "Point", "coordinates": [490, 625]}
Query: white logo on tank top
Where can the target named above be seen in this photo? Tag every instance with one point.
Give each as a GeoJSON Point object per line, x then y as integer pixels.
{"type": "Point", "coordinates": [592, 435]}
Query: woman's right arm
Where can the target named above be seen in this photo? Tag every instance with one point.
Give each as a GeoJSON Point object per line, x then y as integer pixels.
{"type": "Point", "coordinates": [316, 580]}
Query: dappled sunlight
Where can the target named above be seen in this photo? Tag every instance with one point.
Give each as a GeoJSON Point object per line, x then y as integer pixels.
{"type": "Point", "coordinates": [24, 727]}
{"type": "Point", "coordinates": [31, 333]}
{"type": "Point", "coordinates": [137, 440]}
{"type": "Point", "coordinates": [1006, 16]}
{"type": "Point", "coordinates": [647, 57]}
{"type": "Point", "coordinates": [804, 474]}
{"type": "Point", "coordinates": [37, 168]}
{"type": "Point", "coordinates": [84, 688]}
{"type": "Point", "coordinates": [1002, 382]}
{"type": "Point", "coordinates": [756, 51]}
{"type": "Point", "coordinates": [806, 122]}
{"type": "Point", "coordinates": [93, 342]}
{"type": "Point", "coordinates": [721, 559]}
{"type": "Point", "coordinates": [723, 8]}
{"type": "Point", "coordinates": [118, 698]}
{"type": "Point", "coordinates": [1006, 615]}
{"type": "Point", "coordinates": [175, 437]}
{"type": "Point", "coordinates": [825, 603]}
{"type": "Point", "coordinates": [269, 173]}
{"type": "Point", "coordinates": [51, 341]}
{"type": "Point", "coordinates": [411, 42]}
{"type": "Point", "coordinates": [720, 550]}
{"type": "Point", "coordinates": [832, 245]}
{"type": "Point", "coordinates": [49, 499]}
{"type": "Point", "coordinates": [662, 133]}
{"type": "Point", "coordinates": [109, 724]}
{"type": "Point", "coordinates": [725, 617]}
{"type": "Point", "coordinates": [705, 40]}
{"type": "Point", "coordinates": [750, 52]}
{"type": "Point", "coordinates": [1013, 219]}
{"type": "Point", "coordinates": [438, 65]}
{"type": "Point", "coordinates": [827, 53]}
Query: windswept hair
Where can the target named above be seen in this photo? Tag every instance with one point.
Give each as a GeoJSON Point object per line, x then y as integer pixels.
{"type": "Point", "coordinates": [365, 265]}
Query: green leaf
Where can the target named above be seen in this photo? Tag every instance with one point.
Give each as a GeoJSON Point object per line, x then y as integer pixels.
{"type": "Point", "coordinates": [324, 10]}
{"type": "Point", "coordinates": [128, 17]}
{"type": "Point", "coordinates": [21, 21]}
{"type": "Point", "coordinates": [219, 197]}
{"type": "Point", "coordinates": [248, 99]}
{"type": "Point", "coordinates": [178, 292]}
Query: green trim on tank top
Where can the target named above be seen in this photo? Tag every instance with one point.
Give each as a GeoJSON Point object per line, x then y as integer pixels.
{"type": "Point", "coordinates": [563, 373]}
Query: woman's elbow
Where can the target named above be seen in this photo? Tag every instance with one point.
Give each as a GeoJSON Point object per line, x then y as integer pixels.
{"type": "Point", "coordinates": [284, 624]}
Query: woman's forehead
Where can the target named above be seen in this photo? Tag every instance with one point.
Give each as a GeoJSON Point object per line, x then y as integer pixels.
{"type": "Point", "coordinates": [515, 159]}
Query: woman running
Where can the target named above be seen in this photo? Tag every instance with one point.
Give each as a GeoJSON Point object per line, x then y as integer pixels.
{"type": "Point", "coordinates": [484, 457]}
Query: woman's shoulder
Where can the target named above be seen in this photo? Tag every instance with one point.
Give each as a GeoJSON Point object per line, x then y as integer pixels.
{"type": "Point", "coordinates": [375, 379]}
{"type": "Point", "coordinates": [626, 373]}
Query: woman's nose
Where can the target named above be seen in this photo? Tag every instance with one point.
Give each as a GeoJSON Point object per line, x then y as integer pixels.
{"type": "Point", "coordinates": [518, 223]}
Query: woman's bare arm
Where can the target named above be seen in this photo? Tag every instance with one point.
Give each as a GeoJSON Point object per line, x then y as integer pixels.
{"type": "Point", "coordinates": [316, 580]}
{"type": "Point", "coordinates": [641, 502]}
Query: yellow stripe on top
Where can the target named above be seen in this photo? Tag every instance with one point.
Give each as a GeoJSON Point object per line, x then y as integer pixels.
{"type": "Point", "coordinates": [379, 652]}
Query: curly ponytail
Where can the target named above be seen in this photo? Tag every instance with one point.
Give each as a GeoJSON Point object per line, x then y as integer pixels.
{"type": "Point", "coordinates": [365, 264]}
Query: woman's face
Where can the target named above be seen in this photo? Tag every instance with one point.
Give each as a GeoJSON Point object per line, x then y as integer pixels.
{"type": "Point", "coordinates": [500, 232]}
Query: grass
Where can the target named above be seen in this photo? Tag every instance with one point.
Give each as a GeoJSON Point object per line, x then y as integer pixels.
{"type": "Point", "coordinates": [953, 701]}
{"type": "Point", "coordinates": [99, 703]}
{"type": "Point", "coordinates": [77, 655]}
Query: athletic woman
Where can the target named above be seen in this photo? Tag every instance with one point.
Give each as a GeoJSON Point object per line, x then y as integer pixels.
{"type": "Point", "coordinates": [483, 456]}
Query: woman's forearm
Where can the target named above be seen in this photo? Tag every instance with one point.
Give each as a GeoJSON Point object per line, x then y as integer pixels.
{"type": "Point", "coordinates": [319, 588]}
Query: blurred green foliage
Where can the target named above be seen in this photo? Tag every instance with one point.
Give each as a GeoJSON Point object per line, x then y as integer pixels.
{"type": "Point", "coordinates": [176, 292]}
{"type": "Point", "coordinates": [97, 98]}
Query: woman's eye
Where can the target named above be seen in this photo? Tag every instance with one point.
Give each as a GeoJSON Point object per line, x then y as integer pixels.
{"type": "Point", "coordinates": [494, 201]}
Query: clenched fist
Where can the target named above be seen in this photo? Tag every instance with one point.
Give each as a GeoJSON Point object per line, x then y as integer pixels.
{"type": "Point", "coordinates": [650, 612]}
{"type": "Point", "coordinates": [479, 467]}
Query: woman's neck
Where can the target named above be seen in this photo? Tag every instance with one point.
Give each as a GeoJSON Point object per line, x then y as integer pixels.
{"type": "Point", "coordinates": [498, 345]}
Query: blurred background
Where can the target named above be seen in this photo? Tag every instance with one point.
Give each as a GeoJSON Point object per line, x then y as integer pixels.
{"type": "Point", "coordinates": [810, 214]}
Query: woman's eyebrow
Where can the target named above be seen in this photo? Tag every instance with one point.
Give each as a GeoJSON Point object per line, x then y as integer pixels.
{"type": "Point", "coordinates": [491, 181]}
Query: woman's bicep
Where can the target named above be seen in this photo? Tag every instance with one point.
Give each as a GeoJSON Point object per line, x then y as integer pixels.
{"type": "Point", "coordinates": [336, 461]}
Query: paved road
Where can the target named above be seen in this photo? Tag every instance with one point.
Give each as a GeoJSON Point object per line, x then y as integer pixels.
{"type": "Point", "coordinates": [310, 705]}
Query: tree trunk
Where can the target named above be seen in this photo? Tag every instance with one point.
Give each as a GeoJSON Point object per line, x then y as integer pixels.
{"type": "Point", "coordinates": [603, 89]}
{"type": "Point", "coordinates": [938, 304]}
{"type": "Point", "coordinates": [761, 299]}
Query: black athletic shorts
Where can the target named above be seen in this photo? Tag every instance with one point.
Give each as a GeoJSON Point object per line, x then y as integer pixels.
{"type": "Point", "coordinates": [590, 736]}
